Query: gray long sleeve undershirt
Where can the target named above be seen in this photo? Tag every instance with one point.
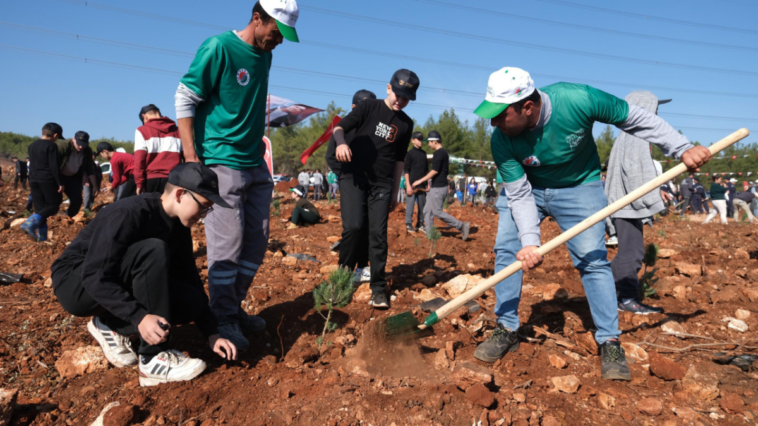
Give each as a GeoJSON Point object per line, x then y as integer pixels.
{"type": "Point", "coordinates": [640, 123]}
{"type": "Point", "coordinates": [185, 102]}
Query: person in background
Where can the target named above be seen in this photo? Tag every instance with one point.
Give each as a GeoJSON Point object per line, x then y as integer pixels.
{"type": "Point", "coordinates": [416, 166]}
{"type": "Point", "coordinates": [718, 198]}
{"type": "Point", "coordinates": [401, 190]}
{"type": "Point", "coordinates": [122, 168]}
{"type": "Point", "coordinates": [742, 201]}
{"type": "Point", "coordinates": [89, 196]}
{"type": "Point", "coordinates": [304, 180]}
{"type": "Point", "coordinates": [157, 150]}
{"type": "Point", "coordinates": [304, 212]}
{"type": "Point", "coordinates": [318, 183]}
{"type": "Point", "coordinates": [700, 191]}
{"type": "Point", "coordinates": [754, 204]}
{"type": "Point", "coordinates": [490, 194]}
{"type": "Point", "coordinates": [462, 188]}
{"type": "Point", "coordinates": [688, 184]}
{"type": "Point", "coordinates": [450, 190]}
{"type": "Point", "coordinates": [731, 189]}
{"type": "Point", "coordinates": [45, 181]}
{"type": "Point", "coordinates": [472, 188]}
{"type": "Point", "coordinates": [332, 179]}
{"type": "Point", "coordinates": [22, 173]}
{"type": "Point", "coordinates": [75, 162]}
{"type": "Point", "coordinates": [696, 199]}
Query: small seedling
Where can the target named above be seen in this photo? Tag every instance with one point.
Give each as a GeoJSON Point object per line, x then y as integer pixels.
{"type": "Point", "coordinates": [275, 206]}
{"type": "Point", "coordinates": [648, 279]}
{"type": "Point", "coordinates": [416, 241]}
{"type": "Point", "coordinates": [662, 233]}
{"type": "Point", "coordinates": [335, 292]}
{"type": "Point", "coordinates": [433, 235]}
{"type": "Point", "coordinates": [445, 204]}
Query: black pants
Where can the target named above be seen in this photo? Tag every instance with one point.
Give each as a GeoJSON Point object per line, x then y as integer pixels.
{"type": "Point", "coordinates": [628, 261]}
{"type": "Point", "coordinates": [697, 203]}
{"type": "Point", "coordinates": [300, 216]}
{"type": "Point", "coordinates": [46, 198]}
{"type": "Point", "coordinates": [72, 187]}
{"type": "Point", "coordinates": [730, 206]}
{"type": "Point", "coordinates": [130, 189]}
{"type": "Point", "coordinates": [145, 276]}
{"type": "Point", "coordinates": [686, 204]}
{"type": "Point", "coordinates": [365, 210]}
{"type": "Point", "coordinates": [21, 179]}
{"type": "Point", "coordinates": [155, 185]}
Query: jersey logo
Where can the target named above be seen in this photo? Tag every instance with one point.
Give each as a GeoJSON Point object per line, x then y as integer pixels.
{"type": "Point", "coordinates": [531, 161]}
{"type": "Point", "coordinates": [243, 77]}
{"type": "Point", "coordinates": [575, 138]}
{"type": "Point", "coordinates": [387, 132]}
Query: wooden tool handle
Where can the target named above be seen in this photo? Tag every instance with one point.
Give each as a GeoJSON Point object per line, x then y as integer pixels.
{"type": "Point", "coordinates": [577, 229]}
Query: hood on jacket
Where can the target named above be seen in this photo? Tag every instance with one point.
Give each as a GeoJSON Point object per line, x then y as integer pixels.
{"type": "Point", "coordinates": [646, 100]}
{"type": "Point", "coordinates": [163, 125]}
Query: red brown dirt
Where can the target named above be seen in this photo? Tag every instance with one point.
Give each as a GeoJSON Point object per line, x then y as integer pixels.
{"type": "Point", "coordinates": [345, 385]}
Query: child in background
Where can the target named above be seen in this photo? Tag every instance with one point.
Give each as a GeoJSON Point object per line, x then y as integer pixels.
{"type": "Point", "coordinates": [304, 211]}
{"type": "Point", "coordinates": [718, 197]}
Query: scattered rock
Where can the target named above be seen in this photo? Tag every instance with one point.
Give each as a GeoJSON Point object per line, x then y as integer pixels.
{"type": "Point", "coordinates": [680, 292]}
{"type": "Point", "coordinates": [742, 314]}
{"type": "Point", "coordinates": [650, 406]}
{"type": "Point", "coordinates": [467, 374]}
{"type": "Point", "coordinates": [328, 269]}
{"type": "Point", "coordinates": [300, 354]}
{"type": "Point", "coordinates": [741, 254]}
{"type": "Point", "coordinates": [289, 261]}
{"type": "Point", "coordinates": [727, 295]}
{"type": "Point", "coordinates": [440, 360]}
{"type": "Point", "coordinates": [519, 397]}
{"type": "Point", "coordinates": [48, 283]}
{"type": "Point", "coordinates": [461, 284]}
{"type": "Point", "coordinates": [7, 404]}
{"type": "Point", "coordinates": [429, 280]}
{"type": "Point", "coordinates": [732, 403]}
{"type": "Point", "coordinates": [99, 420]}
{"type": "Point", "coordinates": [735, 324]}
{"type": "Point", "coordinates": [558, 361]}
{"type": "Point", "coordinates": [688, 269]}
{"type": "Point", "coordinates": [121, 415]}
{"type": "Point", "coordinates": [566, 384]}
{"type": "Point", "coordinates": [83, 360]}
{"type": "Point", "coordinates": [666, 253]}
{"type": "Point", "coordinates": [480, 395]}
{"type": "Point", "coordinates": [548, 292]}
{"type": "Point", "coordinates": [606, 401]}
{"type": "Point", "coordinates": [362, 294]}
{"type": "Point", "coordinates": [587, 342]}
{"type": "Point", "coordinates": [665, 368]}
{"type": "Point", "coordinates": [550, 421]}
{"type": "Point", "coordinates": [333, 239]}
{"type": "Point", "coordinates": [425, 295]}
{"type": "Point", "coordinates": [450, 350]}
{"type": "Point", "coordinates": [685, 413]}
{"type": "Point", "coordinates": [673, 327]}
{"type": "Point", "coordinates": [751, 294]}
{"type": "Point", "coordinates": [700, 384]}
{"type": "Point", "coordinates": [333, 219]}
{"type": "Point", "coordinates": [634, 353]}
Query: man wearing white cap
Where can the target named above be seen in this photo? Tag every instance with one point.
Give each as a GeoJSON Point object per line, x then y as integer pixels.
{"type": "Point", "coordinates": [545, 153]}
{"type": "Point", "coordinates": [731, 190]}
{"type": "Point", "coordinates": [221, 111]}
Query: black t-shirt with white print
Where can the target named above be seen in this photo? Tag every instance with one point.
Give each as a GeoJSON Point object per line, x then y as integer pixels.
{"type": "Point", "coordinates": [381, 139]}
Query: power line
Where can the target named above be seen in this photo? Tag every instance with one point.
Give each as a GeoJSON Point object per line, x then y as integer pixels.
{"type": "Point", "coordinates": [319, 92]}
{"type": "Point", "coordinates": [413, 57]}
{"type": "Point", "coordinates": [586, 27]}
{"type": "Point", "coordinates": [649, 17]}
{"type": "Point", "coordinates": [417, 27]}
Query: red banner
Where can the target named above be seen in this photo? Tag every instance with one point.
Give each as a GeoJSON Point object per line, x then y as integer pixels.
{"type": "Point", "coordinates": [321, 140]}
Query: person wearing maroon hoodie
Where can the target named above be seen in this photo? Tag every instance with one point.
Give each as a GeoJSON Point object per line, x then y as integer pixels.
{"type": "Point", "coordinates": [122, 168]}
{"type": "Point", "coordinates": [157, 150]}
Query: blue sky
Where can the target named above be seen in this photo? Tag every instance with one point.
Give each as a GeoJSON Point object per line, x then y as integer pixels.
{"type": "Point", "coordinates": [355, 39]}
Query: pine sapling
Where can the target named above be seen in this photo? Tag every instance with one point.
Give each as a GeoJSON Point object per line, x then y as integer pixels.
{"type": "Point", "coordinates": [648, 279]}
{"type": "Point", "coordinates": [335, 292]}
{"type": "Point", "coordinates": [275, 206]}
{"type": "Point", "coordinates": [433, 235]}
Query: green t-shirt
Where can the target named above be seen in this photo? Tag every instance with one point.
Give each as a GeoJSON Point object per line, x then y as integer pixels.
{"type": "Point", "coordinates": [232, 78]}
{"type": "Point", "coordinates": [563, 152]}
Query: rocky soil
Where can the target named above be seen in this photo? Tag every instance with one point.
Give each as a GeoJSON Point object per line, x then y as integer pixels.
{"type": "Point", "coordinates": [50, 374]}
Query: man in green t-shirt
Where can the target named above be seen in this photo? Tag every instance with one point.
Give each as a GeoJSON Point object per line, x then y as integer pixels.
{"type": "Point", "coordinates": [545, 153]}
{"type": "Point", "coordinates": [221, 112]}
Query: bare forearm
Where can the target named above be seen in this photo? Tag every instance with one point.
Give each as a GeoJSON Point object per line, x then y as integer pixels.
{"type": "Point", "coordinates": [429, 175]}
{"type": "Point", "coordinates": [187, 134]}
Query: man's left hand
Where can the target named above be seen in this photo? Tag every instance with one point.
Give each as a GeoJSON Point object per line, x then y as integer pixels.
{"type": "Point", "coordinates": [695, 157]}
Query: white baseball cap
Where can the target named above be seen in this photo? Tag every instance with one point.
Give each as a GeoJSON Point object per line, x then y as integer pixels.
{"type": "Point", "coordinates": [733, 180]}
{"type": "Point", "coordinates": [506, 86]}
{"type": "Point", "coordinates": [285, 12]}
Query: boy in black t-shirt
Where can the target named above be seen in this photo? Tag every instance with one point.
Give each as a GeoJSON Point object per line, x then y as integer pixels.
{"type": "Point", "coordinates": [436, 197]}
{"type": "Point", "coordinates": [372, 163]}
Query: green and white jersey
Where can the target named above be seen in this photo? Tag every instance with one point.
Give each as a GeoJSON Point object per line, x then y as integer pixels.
{"type": "Point", "coordinates": [562, 152]}
{"type": "Point", "coordinates": [230, 78]}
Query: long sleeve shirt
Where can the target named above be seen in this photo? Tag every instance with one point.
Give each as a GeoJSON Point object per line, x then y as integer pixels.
{"type": "Point", "coordinates": [44, 160]}
{"type": "Point", "coordinates": [157, 150]}
{"type": "Point", "coordinates": [122, 167]}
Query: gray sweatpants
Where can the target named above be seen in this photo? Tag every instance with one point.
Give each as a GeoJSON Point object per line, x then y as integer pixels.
{"type": "Point", "coordinates": [237, 237]}
{"type": "Point", "coordinates": [435, 199]}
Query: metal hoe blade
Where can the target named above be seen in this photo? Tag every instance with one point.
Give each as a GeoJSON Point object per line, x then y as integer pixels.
{"type": "Point", "coordinates": [401, 324]}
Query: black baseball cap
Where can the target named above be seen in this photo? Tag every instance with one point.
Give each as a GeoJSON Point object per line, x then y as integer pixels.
{"type": "Point", "coordinates": [82, 138]}
{"type": "Point", "coordinates": [417, 135]}
{"type": "Point", "coordinates": [54, 128]}
{"type": "Point", "coordinates": [299, 190]}
{"type": "Point", "coordinates": [405, 83]}
{"type": "Point", "coordinates": [362, 95]}
{"type": "Point", "coordinates": [197, 178]}
{"type": "Point", "coordinates": [104, 146]}
{"type": "Point", "coordinates": [434, 136]}
{"type": "Point", "coordinates": [146, 109]}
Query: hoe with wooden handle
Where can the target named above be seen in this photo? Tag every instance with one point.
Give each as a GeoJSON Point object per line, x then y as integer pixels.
{"type": "Point", "coordinates": [406, 323]}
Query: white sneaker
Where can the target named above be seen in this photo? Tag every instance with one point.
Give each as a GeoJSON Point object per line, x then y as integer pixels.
{"type": "Point", "coordinates": [116, 348]}
{"type": "Point", "coordinates": [169, 366]}
{"type": "Point", "coordinates": [613, 241]}
{"type": "Point", "coordinates": [363, 275]}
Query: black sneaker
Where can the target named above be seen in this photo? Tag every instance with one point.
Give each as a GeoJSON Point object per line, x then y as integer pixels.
{"type": "Point", "coordinates": [614, 361]}
{"type": "Point", "coordinates": [638, 308]}
{"type": "Point", "coordinates": [410, 229]}
{"type": "Point", "coordinates": [501, 341]}
{"type": "Point", "coordinates": [464, 230]}
{"type": "Point", "coordinates": [379, 301]}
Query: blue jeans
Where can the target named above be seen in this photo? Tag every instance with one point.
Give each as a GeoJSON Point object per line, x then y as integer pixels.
{"type": "Point", "coordinates": [568, 206]}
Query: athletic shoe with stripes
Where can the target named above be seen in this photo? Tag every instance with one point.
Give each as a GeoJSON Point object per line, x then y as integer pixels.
{"type": "Point", "coordinates": [169, 366]}
{"type": "Point", "coordinates": [116, 348]}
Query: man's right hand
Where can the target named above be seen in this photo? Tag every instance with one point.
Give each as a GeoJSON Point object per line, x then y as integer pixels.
{"type": "Point", "coordinates": [151, 331]}
{"type": "Point", "coordinates": [139, 190]}
{"type": "Point", "coordinates": [344, 155]}
{"type": "Point", "coordinates": [529, 258]}
{"type": "Point", "coordinates": [408, 190]}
